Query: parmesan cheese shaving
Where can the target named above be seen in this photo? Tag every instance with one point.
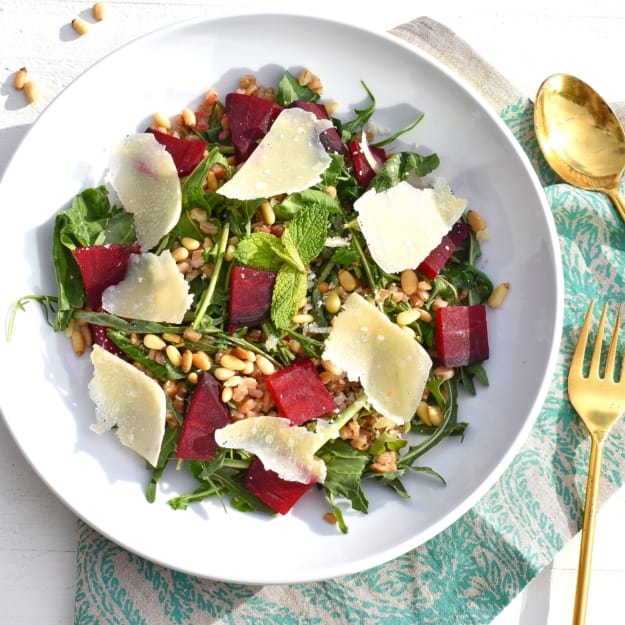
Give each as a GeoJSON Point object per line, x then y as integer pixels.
{"type": "Point", "coordinates": [290, 158]}
{"type": "Point", "coordinates": [152, 290]}
{"type": "Point", "coordinates": [391, 367]}
{"type": "Point", "coordinates": [286, 449]}
{"type": "Point", "coordinates": [129, 401]}
{"type": "Point", "coordinates": [404, 224]}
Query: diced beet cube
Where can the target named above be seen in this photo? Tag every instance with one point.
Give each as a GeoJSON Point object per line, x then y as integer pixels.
{"type": "Point", "coordinates": [186, 153]}
{"type": "Point", "coordinates": [459, 232]}
{"type": "Point", "coordinates": [438, 257]}
{"type": "Point", "coordinates": [100, 337]}
{"type": "Point", "coordinates": [280, 495]}
{"type": "Point", "coordinates": [330, 138]}
{"type": "Point", "coordinates": [461, 335]}
{"type": "Point", "coordinates": [249, 119]}
{"type": "Point", "coordinates": [250, 297]}
{"type": "Point", "coordinates": [205, 414]}
{"type": "Point", "coordinates": [363, 172]}
{"type": "Point", "coordinates": [100, 267]}
{"type": "Point", "coordinates": [431, 265]}
{"type": "Point", "coordinates": [299, 393]}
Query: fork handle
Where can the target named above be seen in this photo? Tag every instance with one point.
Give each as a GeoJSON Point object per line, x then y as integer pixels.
{"type": "Point", "coordinates": [588, 531]}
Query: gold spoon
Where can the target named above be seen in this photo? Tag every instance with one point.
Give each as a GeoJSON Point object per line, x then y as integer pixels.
{"type": "Point", "coordinates": [580, 136]}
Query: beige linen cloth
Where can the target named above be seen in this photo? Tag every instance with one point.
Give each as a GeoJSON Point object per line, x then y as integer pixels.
{"type": "Point", "coordinates": [472, 570]}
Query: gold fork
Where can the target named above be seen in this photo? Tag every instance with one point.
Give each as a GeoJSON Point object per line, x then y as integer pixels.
{"type": "Point", "coordinates": [600, 402]}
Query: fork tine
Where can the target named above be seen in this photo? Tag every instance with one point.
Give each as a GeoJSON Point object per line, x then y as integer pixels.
{"type": "Point", "coordinates": [577, 362]}
{"type": "Point", "coordinates": [595, 361]}
{"type": "Point", "coordinates": [611, 361]}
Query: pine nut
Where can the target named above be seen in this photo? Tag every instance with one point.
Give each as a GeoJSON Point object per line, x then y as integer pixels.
{"type": "Point", "coordinates": [151, 341]}
{"type": "Point", "coordinates": [476, 221]}
{"type": "Point", "coordinates": [161, 121]}
{"type": "Point", "coordinates": [269, 215]}
{"type": "Point", "coordinates": [229, 253]}
{"type": "Point", "coordinates": [211, 181]}
{"type": "Point", "coordinates": [232, 362]}
{"type": "Point", "coordinates": [303, 318]}
{"type": "Point", "coordinates": [187, 360]}
{"type": "Point", "coordinates": [498, 295]}
{"type": "Point", "coordinates": [31, 90]}
{"type": "Point", "coordinates": [190, 244]}
{"type": "Point", "coordinates": [80, 26]}
{"type": "Point", "coordinates": [223, 374]}
{"type": "Point", "coordinates": [201, 360]}
{"type": "Point", "coordinates": [174, 355]}
{"type": "Point", "coordinates": [265, 366]}
{"type": "Point", "coordinates": [78, 342]}
{"type": "Point", "coordinates": [98, 11]}
{"type": "Point", "coordinates": [425, 316]}
{"type": "Point", "coordinates": [20, 78]}
{"type": "Point", "coordinates": [347, 280]}
{"type": "Point", "coordinates": [409, 281]}
{"type": "Point", "coordinates": [332, 302]}
{"type": "Point", "coordinates": [192, 377]}
{"type": "Point", "coordinates": [423, 413]}
{"type": "Point", "coordinates": [443, 373]}
{"type": "Point", "coordinates": [243, 354]}
{"type": "Point", "coordinates": [406, 317]}
{"type": "Point", "coordinates": [188, 118]}
{"type": "Point", "coordinates": [226, 394]}
{"type": "Point", "coordinates": [249, 368]}
{"type": "Point", "coordinates": [235, 380]}
{"type": "Point", "coordinates": [180, 254]}
{"type": "Point", "coordinates": [436, 415]}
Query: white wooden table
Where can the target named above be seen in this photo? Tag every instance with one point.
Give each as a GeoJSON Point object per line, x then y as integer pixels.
{"type": "Point", "coordinates": [525, 41]}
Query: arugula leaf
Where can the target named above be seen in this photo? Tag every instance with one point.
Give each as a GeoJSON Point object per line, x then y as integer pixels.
{"type": "Point", "coordinates": [295, 202]}
{"type": "Point", "coordinates": [288, 291]}
{"type": "Point", "coordinates": [345, 468]}
{"type": "Point", "coordinates": [168, 447]}
{"type": "Point", "coordinates": [362, 117]}
{"type": "Point", "coordinates": [289, 90]}
{"type": "Point", "coordinates": [400, 165]}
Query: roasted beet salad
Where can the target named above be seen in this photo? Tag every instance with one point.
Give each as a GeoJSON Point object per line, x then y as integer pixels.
{"type": "Point", "coordinates": [275, 299]}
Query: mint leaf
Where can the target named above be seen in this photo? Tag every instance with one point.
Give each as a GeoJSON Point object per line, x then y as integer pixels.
{"type": "Point", "coordinates": [261, 251]}
{"type": "Point", "coordinates": [307, 232]}
{"type": "Point", "coordinates": [288, 291]}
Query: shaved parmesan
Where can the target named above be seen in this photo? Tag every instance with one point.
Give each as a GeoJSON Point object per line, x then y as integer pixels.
{"type": "Point", "coordinates": [146, 181]}
{"type": "Point", "coordinates": [290, 158]}
{"type": "Point", "coordinates": [129, 401]}
{"type": "Point", "coordinates": [283, 448]}
{"type": "Point", "coordinates": [404, 224]}
{"type": "Point", "coordinates": [152, 290]}
{"type": "Point", "coordinates": [392, 367]}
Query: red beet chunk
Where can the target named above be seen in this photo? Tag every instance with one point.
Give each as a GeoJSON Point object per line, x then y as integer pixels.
{"type": "Point", "coordinates": [437, 258]}
{"type": "Point", "coordinates": [100, 337]}
{"type": "Point", "coordinates": [363, 172]}
{"type": "Point", "coordinates": [330, 138]}
{"type": "Point", "coordinates": [206, 413]}
{"type": "Point", "coordinates": [280, 495]}
{"type": "Point", "coordinates": [299, 393]}
{"type": "Point", "coordinates": [187, 154]}
{"type": "Point", "coordinates": [101, 266]}
{"type": "Point", "coordinates": [459, 232]}
{"type": "Point", "coordinates": [250, 297]}
{"type": "Point", "coordinates": [250, 118]}
{"type": "Point", "coordinates": [461, 335]}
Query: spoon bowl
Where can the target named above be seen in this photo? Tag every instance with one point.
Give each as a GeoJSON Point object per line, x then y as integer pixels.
{"type": "Point", "coordinates": [580, 136]}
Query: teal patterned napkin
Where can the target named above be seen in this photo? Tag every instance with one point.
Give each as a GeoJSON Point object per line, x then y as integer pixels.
{"type": "Point", "coordinates": [472, 570]}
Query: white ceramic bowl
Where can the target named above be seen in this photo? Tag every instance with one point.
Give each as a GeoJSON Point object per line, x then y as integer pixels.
{"type": "Point", "coordinates": [44, 398]}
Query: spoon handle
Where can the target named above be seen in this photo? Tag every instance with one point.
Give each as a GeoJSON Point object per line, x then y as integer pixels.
{"type": "Point", "coordinates": [618, 201]}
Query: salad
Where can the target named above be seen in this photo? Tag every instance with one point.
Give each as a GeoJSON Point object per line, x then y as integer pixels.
{"type": "Point", "coordinates": [274, 299]}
